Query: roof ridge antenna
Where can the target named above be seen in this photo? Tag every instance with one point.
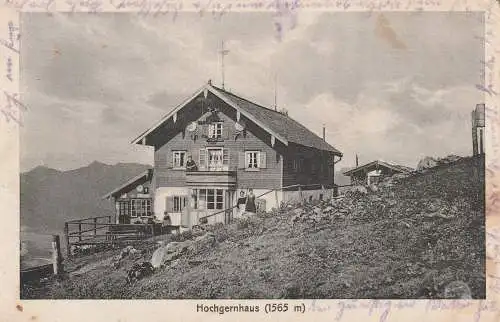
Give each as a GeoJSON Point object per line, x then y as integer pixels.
{"type": "Point", "coordinates": [223, 52]}
{"type": "Point", "coordinates": [276, 92]}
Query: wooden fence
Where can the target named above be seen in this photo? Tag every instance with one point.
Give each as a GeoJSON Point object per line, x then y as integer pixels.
{"type": "Point", "coordinates": [300, 188]}
{"type": "Point", "coordinates": [95, 231]}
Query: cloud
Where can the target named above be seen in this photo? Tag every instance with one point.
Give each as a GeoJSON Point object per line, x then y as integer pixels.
{"type": "Point", "coordinates": [377, 126]}
{"type": "Point", "coordinates": [96, 81]}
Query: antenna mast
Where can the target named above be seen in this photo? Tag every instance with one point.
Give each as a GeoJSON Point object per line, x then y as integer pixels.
{"type": "Point", "coordinates": [223, 52]}
{"type": "Point", "coordinates": [275, 91]}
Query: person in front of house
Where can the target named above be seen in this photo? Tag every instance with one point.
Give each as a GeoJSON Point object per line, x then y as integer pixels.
{"type": "Point", "coordinates": [190, 164]}
{"type": "Point", "coordinates": [167, 223]}
{"type": "Point", "coordinates": [250, 207]}
{"type": "Point", "coordinates": [241, 204]}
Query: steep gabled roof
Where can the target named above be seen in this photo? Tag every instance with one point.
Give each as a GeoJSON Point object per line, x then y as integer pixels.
{"type": "Point", "coordinates": [141, 178]}
{"type": "Point", "coordinates": [280, 123]}
{"type": "Point", "coordinates": [395, 167]}
{"type": "Point", "coordinates": [282, 127]}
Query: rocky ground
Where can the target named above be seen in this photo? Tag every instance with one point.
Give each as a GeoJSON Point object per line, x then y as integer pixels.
{"type": "Point", "coordinates": [420, 236]}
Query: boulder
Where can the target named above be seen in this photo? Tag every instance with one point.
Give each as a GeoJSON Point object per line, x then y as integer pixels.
{"type": "Point", "coordinates": [449, 159]}
{"type": "Point", "coordinates": [328, 209]}
{"type": "Point", "coordinates": [427, 163]}
{"type": "Point", "coordinates": [359, 190]}
{"type": "Point", "coordinates": [205, 241]}
{"type": "Point", "coordinates": [127, 251]}
{"type": "Point", "coordinates": [457, 290]}
{"type": "Point", "coordinates": [169, 252]}
{"type": "Point", "coordinates": [298, 211]}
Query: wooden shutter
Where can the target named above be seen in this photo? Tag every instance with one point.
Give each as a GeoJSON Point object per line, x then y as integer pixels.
{"type": "Point", "coordinates": [210, 130]}
{"type": "Point", "coordinates": [203, 158]}
{"type": "Point", "coordinates": [241, 160]}
{"type": "Point", "coordinates": [225, 131]}
{"type": "Point", "coordinates": [263, 164]}
{"type": "Point", "coordinates": [203, 130]}
{"type": "Point", "coordinates": [169, 204]}
{"type": "Point", "coordinates": [225, 157]}
{"type": "Point", "coordinates": [170, 160]}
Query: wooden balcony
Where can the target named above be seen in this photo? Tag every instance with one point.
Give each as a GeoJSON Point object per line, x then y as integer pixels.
{"type": "Point", "coordinates": [226, 179]}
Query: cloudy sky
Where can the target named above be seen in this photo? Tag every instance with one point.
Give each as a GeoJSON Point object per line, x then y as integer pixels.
{"type": "Point", "coordinates": [392, 86]}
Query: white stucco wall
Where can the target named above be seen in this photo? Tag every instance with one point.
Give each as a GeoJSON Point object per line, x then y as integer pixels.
{"type": "Point", "coordinates": [160, 202]}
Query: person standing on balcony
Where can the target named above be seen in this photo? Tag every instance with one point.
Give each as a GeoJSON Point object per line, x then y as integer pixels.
{"type": "Point", "coordinates": [190, 164]}
{"type": "Point", "coordinates": [250, 207]}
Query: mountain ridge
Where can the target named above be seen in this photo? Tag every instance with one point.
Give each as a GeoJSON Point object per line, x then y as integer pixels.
{"type": "Point", "coordinates": [50, 196]}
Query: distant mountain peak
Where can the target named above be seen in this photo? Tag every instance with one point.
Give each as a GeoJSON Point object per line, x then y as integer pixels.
{"type": "Point", "coordinates": [42, 169]}
{"type": "Point", "coordinates": [97, 164]}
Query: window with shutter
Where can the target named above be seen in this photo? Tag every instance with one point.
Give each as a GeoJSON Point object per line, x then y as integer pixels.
{"type": "Point", "coordinates": [253, 160]}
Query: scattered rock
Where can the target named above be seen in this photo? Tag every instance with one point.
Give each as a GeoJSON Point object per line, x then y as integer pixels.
{"type": "Point", "coordinates": [328, 209]}
{"type": "Point", "coordinates": [168, 253]}
{"type": "Point", "coordinates": [457, 290]}
{"type": "Point", "coordinates": [449, 159]}
{"type": "Point", "coordinates": [139, 271]}
{"type": "Point", "coordinates": [129, 250]}
{"type": "Point", "coordinates": [427, 163]}
{"type": "Point", "coordinates": [202, 242]}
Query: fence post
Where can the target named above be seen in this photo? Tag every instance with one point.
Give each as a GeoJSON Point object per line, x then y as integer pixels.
{"type": "Point", "coordinates": [276, 197]}
{"type": "Point", "coordinates": [95, 226]}
{"type": "Point", "coordinates": [80, 231]}
{"type": "Point", "coordinates": [56, 255]}
{"type": "Point", "coordinates": [66, 236]}
{"type": "Point", "coordinates": [300, 195]}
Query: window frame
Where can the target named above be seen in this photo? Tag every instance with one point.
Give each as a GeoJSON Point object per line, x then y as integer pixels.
{"type": "Point", "coordinates": [179, 152]}
{"type": "Point", "coordinates": [179, 203]}
{"type": "Point", "coordinates": [224, 166]}
{"type": "Point", "coordinates": [215, 194]}
{"type": "Point", "coordinates": [216, 128]}
{"type": "Point", "coordinates": [142, 204]}
{"type": "Point", "coordinates": [248, 156]}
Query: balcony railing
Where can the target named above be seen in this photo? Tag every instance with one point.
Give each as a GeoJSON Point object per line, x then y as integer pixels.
{"type": "Point", "coordinates": [225, 178]}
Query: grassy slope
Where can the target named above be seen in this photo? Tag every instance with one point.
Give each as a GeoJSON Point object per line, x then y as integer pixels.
{"type": "Point", "coordinates": [388, 244]}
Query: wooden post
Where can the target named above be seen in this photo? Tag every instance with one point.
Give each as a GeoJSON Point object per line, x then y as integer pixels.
{"type": "Point", "coordinates": [80, 231]}
{"type": "Point", "coordinates": [322, 192]}
{"type": "Point", "coordinates": [276, 197]}
{"type": "Point", "coordinates": [95, 226]}
{"type": "Point", "coordinates": [481, 148]}
{"type": "Point", "coordinates": [66, 236]}
{"type": "Point", "coordinates": [474, 134]}
{"type": "Point", "coordinates": [56, 255]}
{"type": "Point", "coordinates": [300, 195]}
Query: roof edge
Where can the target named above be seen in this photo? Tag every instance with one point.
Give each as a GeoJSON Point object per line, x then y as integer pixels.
{"type": "Point", "coordinates": [167, 116]}
{"type": "Point", "coordinates": [383, 163]}
{"type": "Point", "coordinates": [148, 172]}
